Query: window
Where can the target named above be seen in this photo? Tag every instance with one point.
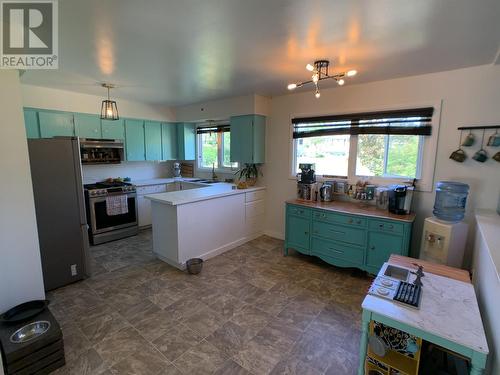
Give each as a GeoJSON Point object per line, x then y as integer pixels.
{"type": "Point", "coordinates": [330, 154]}
{"type": "Point", "coordinates": [214, 146]}
{"type": "Point", "coordinates": [384, 145]}
{"type": "Point", "coordinates": [397, 156]}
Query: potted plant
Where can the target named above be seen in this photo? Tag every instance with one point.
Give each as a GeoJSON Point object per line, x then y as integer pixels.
{"type": "Point", "coordinates": [249, 173]}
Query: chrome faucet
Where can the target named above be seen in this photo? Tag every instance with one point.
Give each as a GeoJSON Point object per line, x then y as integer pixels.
{"type": "Point", "coordinates": [214, 176]}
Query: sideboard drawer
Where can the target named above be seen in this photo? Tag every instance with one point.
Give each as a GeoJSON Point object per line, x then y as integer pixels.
{"type": "Point", "coordinates": [340, 233]}
{"type": "Point", "coordinates": [299, 211]}
{"type": "Point", "coordinates": [386, 226]}
{"type": "Point", "coordinates": [332, 217]}
{"type": "Point", "coordinates": [336, 250]}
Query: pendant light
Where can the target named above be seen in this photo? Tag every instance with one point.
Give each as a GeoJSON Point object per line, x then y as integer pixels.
{"type": "Point", "coordinates": [109, 110]}
{"type": "Point", "coordinates": [320, 72]}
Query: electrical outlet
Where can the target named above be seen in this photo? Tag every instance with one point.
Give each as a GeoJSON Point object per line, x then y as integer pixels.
{"type": "Point", "coordinates": [73, 270]}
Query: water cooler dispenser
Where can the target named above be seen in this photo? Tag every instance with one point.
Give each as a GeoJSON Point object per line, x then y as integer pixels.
{"type": "Point", "coordinates": [445, 234]}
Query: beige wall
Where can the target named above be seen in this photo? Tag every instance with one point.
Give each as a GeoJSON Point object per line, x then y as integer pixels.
{"type": "Point", "coordinates": [62, 100]}
{"type": "Point", "coordinates": [469, 97]}
{"type": "Point", "coordinates": [20, 268]}
{"type": "Point", "coordinates": [224, 108]}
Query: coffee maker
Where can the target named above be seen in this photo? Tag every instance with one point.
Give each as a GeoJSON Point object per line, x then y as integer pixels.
{"type": "Point", "coordinates": [306, 182]}
{"type": "Point", "coordinates": [400, 197]}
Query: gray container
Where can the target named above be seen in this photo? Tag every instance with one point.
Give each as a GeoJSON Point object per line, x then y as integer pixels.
{"type": "Point", "coordinates": [194, 265]}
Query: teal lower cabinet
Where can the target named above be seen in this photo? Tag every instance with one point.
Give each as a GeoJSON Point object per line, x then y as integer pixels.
{"type": "Point", "coordinates": [345, 240]}
{"type": "Point", "coordinates": [31, 123]}
{"type": "Point", "coordinates": [134, 140]}
{"type": "Point", "coordinates": [298, 228]}
{"type": "Point", "coordinates": [113, 129]}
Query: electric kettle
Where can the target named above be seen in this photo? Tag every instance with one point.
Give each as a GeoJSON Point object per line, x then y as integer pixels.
{"type": "Point", "coordinates": [326, 193]}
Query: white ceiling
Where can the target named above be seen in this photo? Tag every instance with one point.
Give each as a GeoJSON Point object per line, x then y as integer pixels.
{"type": "Point", "coordinates": [178, 52]}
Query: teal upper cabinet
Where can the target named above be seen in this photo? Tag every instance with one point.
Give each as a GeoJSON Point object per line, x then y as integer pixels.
{"type": "Point", "coordinates": [113, 129]}
{"type": "Point", "coordinates": [31, 123]}
{"type": "Point", "coordinates": [169, 141]}
{"type": "Point", "coordinates": [186, 141]}
{"type": "Point", "coordinates": [134, 140]}
{"type": "Point", "coordinates": [53, 124]}
{"type": "Point", "coordinates": [152, 134]}
{"type": "Point", "coordinates": [248, 139]}
{"type": "Point", "coordinates": [87, 125]}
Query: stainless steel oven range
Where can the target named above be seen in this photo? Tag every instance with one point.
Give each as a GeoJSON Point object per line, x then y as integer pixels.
{"type": "Point", "coordinates": [103, 225]}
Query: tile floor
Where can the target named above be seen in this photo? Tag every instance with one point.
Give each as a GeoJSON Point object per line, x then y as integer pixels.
{"type": "Point", "coordinates": [250, 311]}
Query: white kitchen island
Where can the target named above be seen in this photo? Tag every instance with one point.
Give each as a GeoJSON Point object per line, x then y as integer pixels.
{"type": "Point", "coordinates": [205, 221]}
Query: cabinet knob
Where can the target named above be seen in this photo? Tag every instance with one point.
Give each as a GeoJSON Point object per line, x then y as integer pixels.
{"type": "Point", "coordinates": [306, 232]}
{"type": "Point", "coordinates": [372, 248]}
{"type": "Point", "coordinates": [359, 222]}
{"type": "Point", "coordinates": [323, 215]}
{"type": "Point", "coordinates": [381, 225]}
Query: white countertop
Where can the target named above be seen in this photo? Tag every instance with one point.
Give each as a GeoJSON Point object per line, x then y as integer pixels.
{"type": "Point", "coordinates": [488, 222]}
{"type": "Point", "coordinates": [211, 191]}
{"type": "Point", "coordinates": [159, 181]}
{"type": "Point", "coordinates": [448, 309]}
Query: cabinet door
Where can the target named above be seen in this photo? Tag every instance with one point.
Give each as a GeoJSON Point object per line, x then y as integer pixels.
{"type": "Point", "coordinates": [113, 129]}
{"type": "Point", "coordinates": [380, 247]}
{"type": "Point", "coordinates": [297, 233]}
{"type": "Point", "coordinates": [87, 125]}
{"type": "Point", "coordinates": [134, 140]}
{"type": "Point", "coordinates": [248, 139]}
{"type": "Point", "coordinates": [31, 123]}
{"type": "Point", "coordinates": [53, 124]}
{"type": "Point", "coordinates": [169, 141]}
{"type": "Point", "coordinates": [259, 139]}
{"type": "Point", "coordinates": [144, 211]}
{"type": "Point", "coordinates": [186, 141]}
{"type": "Point", "coordinates": [241, 139]}
{"type": "Point", "coordinates": [152, 134]}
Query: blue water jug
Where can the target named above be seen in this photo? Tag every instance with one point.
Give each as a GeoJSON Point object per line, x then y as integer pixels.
{"type": "Point", "coordinates": [451, 198]}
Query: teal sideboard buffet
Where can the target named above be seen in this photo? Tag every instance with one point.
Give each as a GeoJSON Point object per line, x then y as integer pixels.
{"type": "Point", "coordinates": [345, 234]}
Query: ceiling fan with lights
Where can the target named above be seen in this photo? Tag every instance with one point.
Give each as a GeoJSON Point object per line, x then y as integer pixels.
{"type": "Point", "coordinates": [320, 72]}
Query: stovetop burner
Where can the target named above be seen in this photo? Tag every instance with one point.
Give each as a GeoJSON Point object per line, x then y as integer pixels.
{"type": "Point", "coordinates": [108, 188]}
{"type": "Point", "coordinates": [105, 185]}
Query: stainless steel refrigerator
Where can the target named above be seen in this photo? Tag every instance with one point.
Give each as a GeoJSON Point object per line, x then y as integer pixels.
{"type": "Point", "coordinates": [56, 174]}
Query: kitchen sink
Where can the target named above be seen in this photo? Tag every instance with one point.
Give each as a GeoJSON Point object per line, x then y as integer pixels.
{"type": "Point", "coordinates": [396, 272]}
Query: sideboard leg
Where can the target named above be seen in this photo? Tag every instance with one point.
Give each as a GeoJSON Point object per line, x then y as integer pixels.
{"type": "Point", "coordinates": [285, 250]}
{"type": "Point", "coordinates": [475, 370]}
{"type": "Point", "coordinates": [366, 317]}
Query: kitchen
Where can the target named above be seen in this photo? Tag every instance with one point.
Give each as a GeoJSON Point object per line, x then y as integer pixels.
{"type": "Point", "coordinates": [294, 252]}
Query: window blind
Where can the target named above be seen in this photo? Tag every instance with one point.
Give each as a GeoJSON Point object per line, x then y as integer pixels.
{"type": "Point", "coordinates": [213, 129]}
{"type": "Point", "coordinates": [416, 121]}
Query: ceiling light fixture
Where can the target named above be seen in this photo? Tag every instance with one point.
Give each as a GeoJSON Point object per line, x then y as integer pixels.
{"type": "Point", "coordinates": [109, 110]}
{"type": "Point", "coordinates": [320, 73]}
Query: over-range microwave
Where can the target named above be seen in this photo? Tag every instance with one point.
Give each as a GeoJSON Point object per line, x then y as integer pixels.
{"type": "Point", "coordinates": [101, 151]}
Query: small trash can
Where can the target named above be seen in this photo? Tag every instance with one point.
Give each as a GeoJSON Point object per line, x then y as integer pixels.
{"type": "Point", "coordinates": [194, 265]}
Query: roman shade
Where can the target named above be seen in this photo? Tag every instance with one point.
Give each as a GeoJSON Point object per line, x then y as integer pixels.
{"type": "Point", "coordinates": [213, 129]}
{"type": "Point", "coordinates": [415, 121]}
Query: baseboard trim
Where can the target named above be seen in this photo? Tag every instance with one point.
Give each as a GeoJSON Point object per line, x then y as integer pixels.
{"type": "Point", "coordinates": [274, 234]}
{"type": "Point", "coordinates": [230, 246]}
{"type": "Point", "coordinates": [214, 252]}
